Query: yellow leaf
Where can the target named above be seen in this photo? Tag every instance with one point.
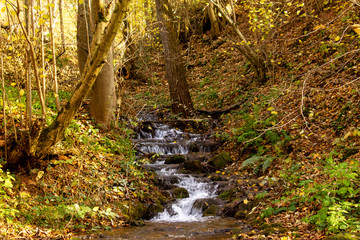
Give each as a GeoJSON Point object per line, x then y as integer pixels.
{"type": "Point", "coordinates": [39, 175]}
{"type": "Point", "coordinates": [246, 201]}
{"type": "Point", "coordinates": [347, 135]}
{"type": "Point", "coordinates": [337, 38]}
{"type": "Point", "coordinates": [41, 21]}
{"type": "Point", "coordinates": [274, 113]}
{"type": "Point", "coordinates": [218, 172]}
{"type": "Point", "coordinates": [319, 27]}
{"type": "Point", "coordinates": [3, 9]}
{"type": "Point", "coordinates": [356, 28]}
{"type": "Point", "coordinates": [13, 84]}
{"type": "Point", "coordinates": [22, 92]}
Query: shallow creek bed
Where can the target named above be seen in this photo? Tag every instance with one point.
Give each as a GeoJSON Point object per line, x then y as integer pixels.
{"type": "Point", "coordinates": [183, 162]}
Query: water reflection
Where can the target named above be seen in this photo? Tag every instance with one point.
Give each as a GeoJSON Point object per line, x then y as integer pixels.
{"type": "Point", "coordinates": [212, 229]}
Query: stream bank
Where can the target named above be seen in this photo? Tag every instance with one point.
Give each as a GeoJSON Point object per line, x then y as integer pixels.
{"type": "Point", "coordinates": [201, 200]}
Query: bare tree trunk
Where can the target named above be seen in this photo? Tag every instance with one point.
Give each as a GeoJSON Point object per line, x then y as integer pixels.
{"type": "Point", "coordinates": [62, 25]}
{"type": "Point", "coordinates": [256, 61]}
{"type": "Point", "coordinates": [103, 96]}
{"type": "Point", "coordinates": [28, 70]}
{"type": "Point", "coordinates": [42, 54]}
{"type": "Point", "coordinates": [46, 138]}
{"type": "Point", "coordinates": [175, 70]}
{"type": "Point", "coordinates": [56, 89]}
{"type": "Point", "coordinates": [215, 28]}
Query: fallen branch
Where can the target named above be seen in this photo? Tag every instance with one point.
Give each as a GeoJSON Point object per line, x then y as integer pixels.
{"type": "Point", "coordinates": [217, 113]}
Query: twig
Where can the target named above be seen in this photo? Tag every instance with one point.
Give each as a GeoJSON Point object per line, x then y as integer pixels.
{"type": "Point", "coordinates": [4, 104]}
{"type": "Point", "coordinates": [273, 128]}
{"type": "Point", "coordinates": [307, 77]}
{"type": "Point", "coordinates": [33, 60]}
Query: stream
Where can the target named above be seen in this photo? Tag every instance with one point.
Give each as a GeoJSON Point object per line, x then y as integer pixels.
{"type": "Point", "coordinates": [183, 218]}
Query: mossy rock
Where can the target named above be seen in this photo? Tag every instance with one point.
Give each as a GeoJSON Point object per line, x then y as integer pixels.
{"type": "Point", "coordinates": [193, 147]}
{"type": "Point", "coordinates": [180, 192]}
{"type": "Point", "coordinates": [153, 209]}
{"type": "Point", "coordinates": [227, 195]}
{"type": "Point", "coordinates": [175, 159]}
{"type": "Point", "coordinates": [212, 210]}
{"type": "Point", "coordinates": [193, 166]}
{"type": "Point", "coordinates": [220, 160]}
{"type": "Point", "coordinates": [241, 214]}
{"type": "Point", "coordinates": [133, 211]}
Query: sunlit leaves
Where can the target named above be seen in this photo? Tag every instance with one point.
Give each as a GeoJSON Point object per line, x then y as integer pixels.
{"type": "Point", "coordinates": [41, 21]}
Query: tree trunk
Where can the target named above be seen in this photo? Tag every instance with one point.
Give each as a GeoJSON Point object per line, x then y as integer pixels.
{"type": "Point", "coordinates": [175, 70]}
{"type": "Point", "coordinates": [44, 139]}
{"type": "Point", "coordinates": [215, 28]}
{"type": "Point", "coordinates": [256, 61]}
{"type": "Point", "coordinates": [103, 97]}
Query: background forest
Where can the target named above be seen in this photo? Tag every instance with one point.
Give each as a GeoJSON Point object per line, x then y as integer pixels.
{"type": "Point", "coordinates": [276, 82]}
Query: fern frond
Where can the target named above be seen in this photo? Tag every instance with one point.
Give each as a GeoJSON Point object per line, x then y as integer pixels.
{"type": "Point", "coordinates": [251, 161]}
{"type": "Point", "coordinates": [267, 163]}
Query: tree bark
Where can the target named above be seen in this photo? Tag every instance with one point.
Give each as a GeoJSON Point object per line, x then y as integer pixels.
{"type": "Point", "coordinates": [46, 138]}
{"type": "Point", "coordinates": [103, 96]}
{"type": "Point", "coordinates": [175, 70]}
{"type": "Point", "coordinates": [256, 61]}
{"type": "Point", "coordinates": [215, 28]}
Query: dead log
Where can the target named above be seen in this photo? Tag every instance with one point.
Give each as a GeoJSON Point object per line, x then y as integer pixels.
{"type": "Point", "coordinates": [217, 113]}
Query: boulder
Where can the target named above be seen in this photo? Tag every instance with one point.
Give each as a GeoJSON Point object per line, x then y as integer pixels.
{"type": "Point", "coordinates": [175, 159]}
{"type": "Point", "coordinates": [202, 157]}
{"type": "Point", "coordinates": [220, 160]}
{"type": "Point", "coordinates": [180, 192]}
{"type": "Point", "coordinates": [193, 166]}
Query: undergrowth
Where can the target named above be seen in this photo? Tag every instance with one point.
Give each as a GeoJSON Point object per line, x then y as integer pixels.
{"type": "Point", "coordinates": [88, 176]}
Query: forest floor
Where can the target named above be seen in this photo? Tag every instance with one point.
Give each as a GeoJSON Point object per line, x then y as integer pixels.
{"type": "Point", "coordinates": [297, 134]}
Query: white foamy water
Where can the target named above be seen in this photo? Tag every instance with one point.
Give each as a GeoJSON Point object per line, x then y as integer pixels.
{"type": "Point", "coordinates": [164, 140]}
{"type": "Point", "coordinates": [182, 209]}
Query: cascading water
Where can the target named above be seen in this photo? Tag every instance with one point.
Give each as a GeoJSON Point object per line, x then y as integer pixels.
{"type": "Point", "coordinates": [181, 220]}
{"type": "Point", "coordinates": [183, 209]}
{"type": "Point", "coordinates": [164, 140]}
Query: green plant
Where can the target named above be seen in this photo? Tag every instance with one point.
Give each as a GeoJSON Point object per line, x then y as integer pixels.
{"type": "Point", "coordinates": [336, 196]}
{"type": "Point", "coordinates": [8, 209]}
{"type": "Point", "coordinates": [258, 162]}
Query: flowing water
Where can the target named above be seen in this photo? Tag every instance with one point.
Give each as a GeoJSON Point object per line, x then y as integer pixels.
{"type": "Point", "coordinates": [181, 220]}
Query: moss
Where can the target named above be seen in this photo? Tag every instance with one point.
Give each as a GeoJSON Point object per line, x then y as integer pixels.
{"type": "Point", "coordinates": [344, 236]}
{"type": "Point", "coordinates": [220, 160]}
{"type": "Point", "coordinates": [180, 192]}
{"type": "Point", "coordinates": [227, 194]}
{"type": "Point", "coordinates": [175, 159]}
{"type": "Point", "coordinates": [211, 210]}
{"type": "Point", "coordinates": [193, 166]}
{"type": "Point", "coordinates": [216, 178]}
{"type": "Point", "coordinates": [241, 214]}
{"type": "Point", "coordinates": [133, 211]}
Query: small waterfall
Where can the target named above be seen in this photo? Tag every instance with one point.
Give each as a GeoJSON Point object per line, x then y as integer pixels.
{"type": "Point", "coordinates": [164, 140]}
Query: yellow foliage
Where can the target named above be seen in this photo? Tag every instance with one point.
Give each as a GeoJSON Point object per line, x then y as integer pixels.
{"type": "Point", "coordinates": [356, 28]}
